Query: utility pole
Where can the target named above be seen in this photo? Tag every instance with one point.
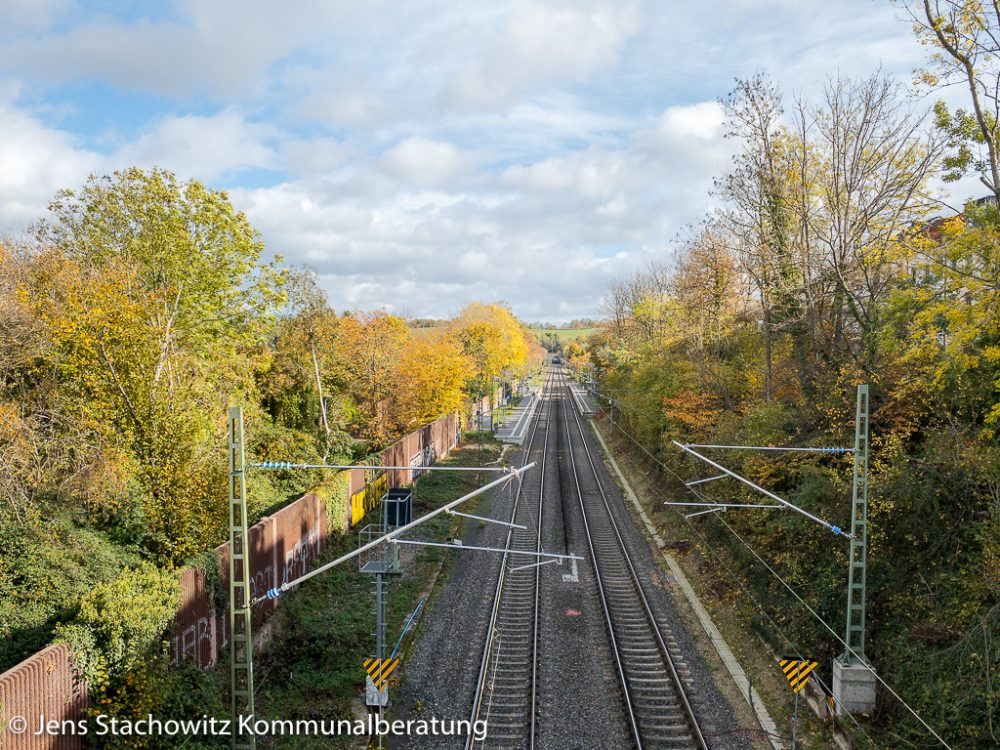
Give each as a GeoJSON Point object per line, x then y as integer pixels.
{"type": "Point", "coordinates": [240, 614]}
{"type": "Point", "coordinates": [853, 675]}
{"type": "Point", "coordinates": [479, 435]}
{"type": "Point", "coordinates": [795, 720]}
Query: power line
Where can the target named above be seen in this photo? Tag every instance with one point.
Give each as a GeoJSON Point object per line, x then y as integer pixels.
{"type": "Point", "coordinates": [803, 602]}
{"type": "Point", "coordinates": [770, 448]}
{"type": "Point", "coordinates": [274, 593]}
{"type": "Point", "coordinates": [280, 465]}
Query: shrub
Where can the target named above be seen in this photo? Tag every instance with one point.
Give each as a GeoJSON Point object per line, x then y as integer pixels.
{"type": "Point", "coordinates": [120, 623]}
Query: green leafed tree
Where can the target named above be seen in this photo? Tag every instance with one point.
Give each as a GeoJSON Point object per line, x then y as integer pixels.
{"type": "Point", "coordinates": [158, 305]}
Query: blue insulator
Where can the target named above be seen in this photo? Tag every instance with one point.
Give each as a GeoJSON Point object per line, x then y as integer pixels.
{"type": "Point", "coordinates": [836, 530]}
{"type": "Point", "coordinates": [273, 593]}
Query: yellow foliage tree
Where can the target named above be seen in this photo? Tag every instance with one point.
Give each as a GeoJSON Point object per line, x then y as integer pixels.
{"type": "Point", "coordinates": [154, 303]}
{"type": "Point", "coordinates": [429, 380]}
{"type": "Point", "coordinates": [370, 347]}
{"type": "Point", "coordinates": [495, 340]}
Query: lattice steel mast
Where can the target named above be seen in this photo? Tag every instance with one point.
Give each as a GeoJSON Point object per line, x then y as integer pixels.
{"type": "Point", "coordinates": [853, 675]}
{"type": "Point", "coordinates": [240, 613]}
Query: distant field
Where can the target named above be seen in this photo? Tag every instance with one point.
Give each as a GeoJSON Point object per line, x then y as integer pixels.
{"type": "Point", "coordinates": [564, 334]}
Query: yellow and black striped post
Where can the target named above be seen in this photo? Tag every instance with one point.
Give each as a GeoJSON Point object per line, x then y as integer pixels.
{"type": "Point", "coordinates": [379, 670]}
{"type": "Point", "coordinates": [797, 672]}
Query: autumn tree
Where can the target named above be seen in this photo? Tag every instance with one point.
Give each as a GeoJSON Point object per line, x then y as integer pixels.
{"type": "Point", "coordinates": [964, 38]}
{"type": "Point", "coordinates": [639, 306]}
{"type": "Point", "coordinates": [708, 296]}
{"type": "Point", "coordinates": [495, 340]}
{"type": "Point", "coordinates": [302, 377]}
{"type": "Point", "coordinates": [877, 161]}
{"type": "Point", "coordinates": [430, 377]}
{"type": "Point", "coordinates": [370, 346]}
{"type": "Point", "coordinates": [159, 305]}
{"type": "Point", "coordinates": [759, 211]}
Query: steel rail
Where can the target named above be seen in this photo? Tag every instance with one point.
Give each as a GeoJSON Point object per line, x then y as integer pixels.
{"type": "Point", "coordinates": [500, 588]}
{"type": "Point", "coordinates": [668, 661]}
{"type": "Point", "coordinates": [615, 651]}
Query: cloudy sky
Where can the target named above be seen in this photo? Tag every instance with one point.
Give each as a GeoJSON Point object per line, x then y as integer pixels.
{"type": "Point", "coordinates": [420, 154]}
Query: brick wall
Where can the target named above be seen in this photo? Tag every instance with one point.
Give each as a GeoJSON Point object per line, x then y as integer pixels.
{"type": "Point", "coordinates": [41, 684]}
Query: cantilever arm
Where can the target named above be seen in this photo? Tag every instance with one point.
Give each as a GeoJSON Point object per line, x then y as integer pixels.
{"type": "Point", "coordinates": [273, 593]}
{"type": "Point", "coordinates": [768, 493]}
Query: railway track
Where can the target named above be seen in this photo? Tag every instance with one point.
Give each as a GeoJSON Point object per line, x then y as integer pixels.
{"type": "Point", "coordinates": [647, 664]}
{"type": "Point", "coordinates": [650, 669]}
{"type": "Point", "coordinates": [506, 692]}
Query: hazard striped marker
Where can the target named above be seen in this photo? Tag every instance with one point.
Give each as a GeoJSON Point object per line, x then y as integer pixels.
{"type": "Point", "coordinates": [797, 672]}
{"type": "Point", "coordinates": [379, 670]}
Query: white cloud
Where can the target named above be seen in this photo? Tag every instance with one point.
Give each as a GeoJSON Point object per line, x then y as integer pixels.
{"type": "Point", "coordinates": [205, 148]}
{"type": "Point", "coordinates": [421, 161]}
{"type": "Point", "coordinates": [221, 47]}
{"type": "Point", "coordinates": [595, 174]}
{"type": "Point", "coordinates": [429, 153]}
{"type": "Point", "coordinates": [702, 121]}
{"type": "Point", "coordinates": [21, 15]}
{"type": "Point", "coordinates": [314, 156]}
{"type": "Point", "coordinates": [540, 44]}
{"type": "Point", "coordinates": [37, 161]}
{"type": "Point", "coordinates": [549, 236]}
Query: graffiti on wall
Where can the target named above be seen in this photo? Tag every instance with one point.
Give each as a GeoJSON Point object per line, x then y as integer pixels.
{"type": "Point", "coordinates": [199, 638]}
{"type": "Point", "coordinates": [369, 496]}
{"type": "Point", "coordinates": [422, 458]}
{"type": "Point", "coordinates": [299, 557]}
